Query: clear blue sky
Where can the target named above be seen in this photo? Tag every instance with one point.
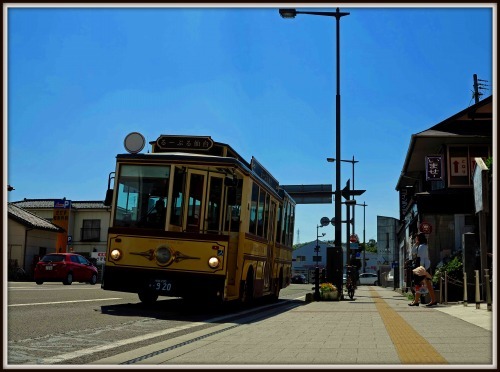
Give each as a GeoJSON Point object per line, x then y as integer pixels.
{"type": "Point", "coordinates": [80, 79]}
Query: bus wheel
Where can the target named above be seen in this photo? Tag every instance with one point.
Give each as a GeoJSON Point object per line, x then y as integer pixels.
{"type": "Point", "coordinates": [279, 285]}
{"type": "Point", "coordinates": [148, 297]}
{"type": "Point", "coordinates": [247, 289]}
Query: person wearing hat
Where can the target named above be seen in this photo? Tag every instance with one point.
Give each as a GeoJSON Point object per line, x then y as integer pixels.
{"type": "Point", "coordinates": [421, 274]}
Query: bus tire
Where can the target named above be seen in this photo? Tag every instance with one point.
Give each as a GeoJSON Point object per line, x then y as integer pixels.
{"type": "Point", "coordinates": [147, 297]}
{"type": "Point", "coordinates": [278, 285]}
{"type": "Point", "coordinates": [247, 289]}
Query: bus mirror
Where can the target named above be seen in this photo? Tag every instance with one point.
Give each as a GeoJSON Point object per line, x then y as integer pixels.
{"type": "Point", "coordinates": [109, 197]}
{"type": "Point", "coordinates": [231, 181]}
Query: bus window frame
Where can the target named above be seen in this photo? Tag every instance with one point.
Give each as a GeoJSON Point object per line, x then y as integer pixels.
{"type": "Point", "coordinates": [191, 227]}
{"type": "Point", "coordinates": [221, 200]}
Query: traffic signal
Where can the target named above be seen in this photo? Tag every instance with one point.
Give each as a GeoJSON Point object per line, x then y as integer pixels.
{"type": "Point", "coordinates": [323, 275]}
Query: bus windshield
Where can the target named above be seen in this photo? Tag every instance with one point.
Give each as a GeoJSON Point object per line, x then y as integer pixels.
{"type": "Point", "coordinates": [142, 196]}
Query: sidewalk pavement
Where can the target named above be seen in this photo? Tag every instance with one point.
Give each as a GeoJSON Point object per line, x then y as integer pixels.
{"type": "Point", "coordinates": [377, 327]}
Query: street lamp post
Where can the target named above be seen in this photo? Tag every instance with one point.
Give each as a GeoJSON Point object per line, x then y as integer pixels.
{"type": "Point", "coordinates": [317, 242]}
{"type": "Point", "coordinates": [316, 270]}
{"type": "Point", "coordinates": [348, 203]}
{"type": "Point", "coordinates": [331, 160]}
{"type": "Point", "coordinates": [364, 205]}
{"type": "Point", "coordinates": [291, 13]}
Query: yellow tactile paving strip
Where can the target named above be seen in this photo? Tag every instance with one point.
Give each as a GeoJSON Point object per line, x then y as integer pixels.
{"type": "Point", "coordinates": [410, 346]}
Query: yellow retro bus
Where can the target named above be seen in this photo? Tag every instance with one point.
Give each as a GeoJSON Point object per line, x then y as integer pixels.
{"type": "Point", "coordinates": [193, 219]}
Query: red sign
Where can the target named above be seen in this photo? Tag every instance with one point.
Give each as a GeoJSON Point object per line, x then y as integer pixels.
{"type": "Point", "coordinates": [425, 227]}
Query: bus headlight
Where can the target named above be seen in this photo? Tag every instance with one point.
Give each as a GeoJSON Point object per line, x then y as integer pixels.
{"type": "Point", "coordinates": [116, 254]}
{"type": "Point", "coordinates": [213, 262]}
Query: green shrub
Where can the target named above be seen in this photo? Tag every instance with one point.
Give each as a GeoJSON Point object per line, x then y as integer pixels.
{"type": "Point", "coordinates": [489, 164]}
{"type": "Point", "coordinates": [453, 269]}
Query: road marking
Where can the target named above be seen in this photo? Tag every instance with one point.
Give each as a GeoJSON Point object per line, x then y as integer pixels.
{"type": "Point", "coordinates": [50, 288]}
{"type": "Point", "coordinates": [411, 347]}
{"type": "Point", "coordinates": [64, 302]}
{"type": "Point", "coordinates": [96, 349]}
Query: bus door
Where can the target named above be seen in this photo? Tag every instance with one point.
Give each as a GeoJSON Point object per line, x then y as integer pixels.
{"type": "Point", "coordinates": [270, 246]}
{"type": "Point", "coordinates": [214, 208]}
{"type": "Point", "coordinates": [194, 213]}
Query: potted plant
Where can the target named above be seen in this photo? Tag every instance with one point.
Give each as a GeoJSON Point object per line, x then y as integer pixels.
{"type": "Point", "coordinates": [328, 292]}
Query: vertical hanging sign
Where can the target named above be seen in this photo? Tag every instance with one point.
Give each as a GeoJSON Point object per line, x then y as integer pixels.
{"type": "Point", "coordinates": [434, 168]}
{"type": "Point", "coordinates": [403, 202]}
{"type": "Point", "coordinates": [60, 218]}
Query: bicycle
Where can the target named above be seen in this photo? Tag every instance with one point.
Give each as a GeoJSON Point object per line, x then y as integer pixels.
{"type": "Point", "coordinates": [350, 283]}
{"type": "Point", "coordinates": [16, 273]}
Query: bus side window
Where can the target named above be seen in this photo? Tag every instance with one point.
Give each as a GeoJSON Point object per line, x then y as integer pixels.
{"type": "Point", "coordinates": [252, 227]}
{"type": "Point", "coordinates": [233, 205]}
{"type": "Point", "coordinates": [177, 197]}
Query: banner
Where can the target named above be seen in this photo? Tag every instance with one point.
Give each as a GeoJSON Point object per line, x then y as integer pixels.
{"type": "Point", "coordinates": [62, 209]}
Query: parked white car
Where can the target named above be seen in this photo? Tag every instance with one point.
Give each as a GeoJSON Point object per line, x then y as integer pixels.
{"type": "Point", "coordinates": [390, 276]}
{"type": "Point", "coordinates": [368, 279]}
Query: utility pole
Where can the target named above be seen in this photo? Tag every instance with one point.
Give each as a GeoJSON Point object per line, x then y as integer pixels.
{"type": "Point", "coordinates": [478, 85]}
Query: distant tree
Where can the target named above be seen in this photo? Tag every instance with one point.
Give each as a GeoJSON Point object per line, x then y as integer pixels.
{"type": "Point", "coordinates": [371, 246]}
{"type": "Point", "coordinates": [298, 245]}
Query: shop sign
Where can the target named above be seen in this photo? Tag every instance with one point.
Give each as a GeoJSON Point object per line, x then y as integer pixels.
{"type": "Point", "coordinates": [425, 228]}
{"type": "Point", "coordinates": [434, 168]}
{"type": "Point", "coordinates": [404, 199]}
{"type": "Point", "coordinates": [174, 142]}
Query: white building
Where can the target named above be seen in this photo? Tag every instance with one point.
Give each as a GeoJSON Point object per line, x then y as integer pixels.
{"type": "Point", "coordinates": [28, 237]}
{"type": "Point", "coordinates": [387, 250]}
{"type": "Point", "coordinates": [87, 223]}
{"type": "Point", "coordinates": [306, 258]}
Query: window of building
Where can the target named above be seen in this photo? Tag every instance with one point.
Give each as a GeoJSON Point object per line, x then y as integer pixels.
{"type": "Point", "coordinates": [461, 163]}
{"type": "Point", "coordinates": [91, 231]}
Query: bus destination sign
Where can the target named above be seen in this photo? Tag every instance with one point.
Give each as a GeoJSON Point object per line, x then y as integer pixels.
{"type": "Point", "coordinates": [184, 143]}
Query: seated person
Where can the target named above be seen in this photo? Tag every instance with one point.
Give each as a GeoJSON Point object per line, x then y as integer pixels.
{"type": "Point", "coordinates": [160, 208]}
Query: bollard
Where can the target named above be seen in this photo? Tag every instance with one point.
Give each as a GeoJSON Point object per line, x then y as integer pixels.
{"type": "Point", "coordinates": [465, 288]}
{"type": "Point", "coordinates": [316, 284]}
{"type": "Point", "coordinates": [488, 294]}
{"type": "Point", "coordinates": [445, 288]}
{"type": "Point", "coordinates": [441, 290]}
{"type": "Point", "coordinates": [478, 293]}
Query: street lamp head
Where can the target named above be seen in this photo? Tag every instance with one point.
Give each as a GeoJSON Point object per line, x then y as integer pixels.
{"type": "Point", "coordinates": [288, 13]}
{"type": "Point", "coordinates": [330, 160]}
{"type": "Point", "coordinates": [350, 202]}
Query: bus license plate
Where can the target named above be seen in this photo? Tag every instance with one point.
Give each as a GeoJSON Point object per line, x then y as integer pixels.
{"type": "Point", "coordinates": [161, 285]}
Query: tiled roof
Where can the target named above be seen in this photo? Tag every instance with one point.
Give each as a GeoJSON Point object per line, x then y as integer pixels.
{"type": "Point", "coordinates": [49, 204]}
{"type": "Point", "coordinates": [31, 220]}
